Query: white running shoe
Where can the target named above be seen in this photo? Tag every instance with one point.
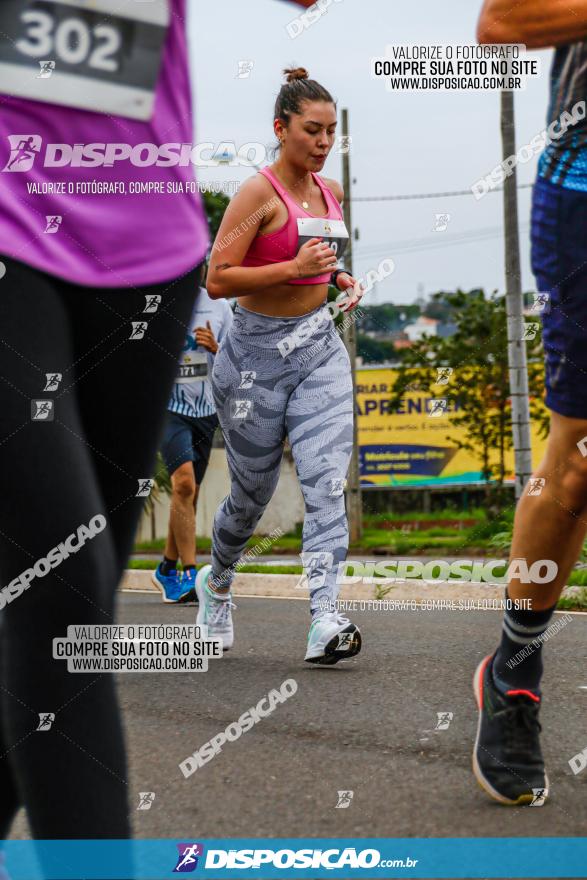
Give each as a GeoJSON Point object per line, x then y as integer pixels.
{"type": "Point", "coordinates": [213, 612]}
{"type": "Point", "coordinates": [332, 638]}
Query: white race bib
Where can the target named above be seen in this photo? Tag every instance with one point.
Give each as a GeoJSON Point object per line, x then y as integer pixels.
{"type": "Point", "coordinates": [194, 365]}
{"type": "Point", "coordinates": [100, 55]}
{"type": "Point", "coordinates": [333, 232]}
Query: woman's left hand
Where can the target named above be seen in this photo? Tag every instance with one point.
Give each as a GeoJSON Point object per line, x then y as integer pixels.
{"type": "Point", "coordinates": [351, 292]}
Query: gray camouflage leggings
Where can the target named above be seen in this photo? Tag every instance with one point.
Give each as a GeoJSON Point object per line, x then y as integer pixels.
{"type": "Point", "coordinates": [274, 377]}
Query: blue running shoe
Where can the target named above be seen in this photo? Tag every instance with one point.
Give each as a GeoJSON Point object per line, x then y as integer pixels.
{"type": "Point", "coordinates": [170, 586]}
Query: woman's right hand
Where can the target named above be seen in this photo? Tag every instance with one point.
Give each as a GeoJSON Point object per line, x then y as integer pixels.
{"type": "Point", "coordinates": [315, 258]}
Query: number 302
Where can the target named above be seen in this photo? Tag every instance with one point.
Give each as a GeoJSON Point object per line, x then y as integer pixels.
{"type": "Point", "coordinates": [71, 40]}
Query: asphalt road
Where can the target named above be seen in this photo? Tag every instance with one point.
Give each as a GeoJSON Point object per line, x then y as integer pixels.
{"type": "Point", "coordinates": [365, 726]}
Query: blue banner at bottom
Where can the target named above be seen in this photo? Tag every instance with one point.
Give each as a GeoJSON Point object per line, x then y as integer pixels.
{"type": "Point", "coordinates": [270, 859]}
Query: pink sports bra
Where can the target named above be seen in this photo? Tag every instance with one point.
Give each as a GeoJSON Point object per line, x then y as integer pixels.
{"type": "Point", "coordinates": [300, 227]}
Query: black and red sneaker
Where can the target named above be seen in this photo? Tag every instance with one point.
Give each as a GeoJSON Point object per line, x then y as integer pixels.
{"type": "Point", "coordinates": [507, 758]}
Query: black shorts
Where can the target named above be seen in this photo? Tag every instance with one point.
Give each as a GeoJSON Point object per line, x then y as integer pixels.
{"type": "Point", "coordinates": [559, 262]}
{"type": "Point", "coordinates": [188, 439]}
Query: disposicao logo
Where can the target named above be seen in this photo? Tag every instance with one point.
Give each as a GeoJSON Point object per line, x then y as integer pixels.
{"type": "Point", "coordinates": [187, 859]}
{"type": "Point", "coordinates": [24, 149]}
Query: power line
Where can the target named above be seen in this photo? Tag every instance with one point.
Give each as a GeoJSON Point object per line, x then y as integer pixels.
{"type": "Point", "coordinates": [430, 242]}
{"type": "Point", "coordinates": [438, 195]}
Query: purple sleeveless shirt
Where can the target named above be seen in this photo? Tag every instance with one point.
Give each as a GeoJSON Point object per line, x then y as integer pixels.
{"type": "Point", "coordinates": [105, 239]}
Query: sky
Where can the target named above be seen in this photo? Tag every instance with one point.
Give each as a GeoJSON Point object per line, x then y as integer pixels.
{"type": "Point", "coordinates": [403, 143]}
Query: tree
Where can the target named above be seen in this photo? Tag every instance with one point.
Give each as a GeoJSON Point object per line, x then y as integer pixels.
{"type": "Point", "coordinates": [375, 351]}
{"type": "Point", "coordinates": [478, 387]}
{"type": "Point", "coordinates": [215, 205]}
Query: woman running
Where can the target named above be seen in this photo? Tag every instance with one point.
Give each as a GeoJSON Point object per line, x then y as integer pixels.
{"type": "Point", "coordinates": [96, 290]}
{"type": "Point", "coordinates": [282, 369]}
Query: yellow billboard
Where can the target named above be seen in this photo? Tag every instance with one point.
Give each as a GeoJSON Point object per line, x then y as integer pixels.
{"type": "Point", "coordinates": [415, 445]}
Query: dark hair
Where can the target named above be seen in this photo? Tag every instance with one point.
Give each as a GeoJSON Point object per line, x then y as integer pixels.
{"type": "Point", "coordinates": [295, 90]}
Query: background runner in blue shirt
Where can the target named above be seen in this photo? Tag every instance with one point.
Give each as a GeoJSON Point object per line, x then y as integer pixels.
{"type": "Point", "coordinates": [187, 442]}
{"type": "Point", "coordinates": [551, 525]}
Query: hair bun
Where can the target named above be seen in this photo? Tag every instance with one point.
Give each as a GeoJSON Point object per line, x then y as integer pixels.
{"type": "Point", "coordinates": [293, 73]}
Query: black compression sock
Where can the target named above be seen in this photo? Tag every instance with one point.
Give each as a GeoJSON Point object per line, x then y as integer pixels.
{"type": "Point", "coordinates": [518, 660]}
{"type": "Point", "coordinates": [167, 566]}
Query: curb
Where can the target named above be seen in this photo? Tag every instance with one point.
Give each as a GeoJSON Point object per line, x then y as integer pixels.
{"type": "Point", "coordinates": [283, 586]}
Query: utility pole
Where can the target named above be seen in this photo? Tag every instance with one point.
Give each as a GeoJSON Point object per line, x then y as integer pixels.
{"type": "Point", "coordinates": [518, 369]}
{"type": "Point", "coordinates": [354, 499]}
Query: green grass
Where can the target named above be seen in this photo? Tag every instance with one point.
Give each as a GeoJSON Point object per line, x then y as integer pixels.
{"type": "Point", "coordinates": [486, 536]}
{"type": "Point", "coordinates": [475, 513]}
{"type": "Point", "coordinates": [575, 602]}
{"type": "Point", "coordinates": [285, 544]}
{"type": "Point", "coordinates": [578, 578]}
{"type": "Point", "coordinates": [418, 543]}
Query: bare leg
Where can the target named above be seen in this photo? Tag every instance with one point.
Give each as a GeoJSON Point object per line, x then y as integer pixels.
{"type": "Point", "coordinates": [171, 551]}
{"type": "Point", "coordinates": [181, 538]}
{"type": "Point", "coordinates": [552, 525]}
{"type": "Point", "coordinates": [195, 508]}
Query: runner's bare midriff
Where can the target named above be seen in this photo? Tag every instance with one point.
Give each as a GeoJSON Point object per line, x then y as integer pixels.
{"type": "Point", "coordinates": [286, 300]}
